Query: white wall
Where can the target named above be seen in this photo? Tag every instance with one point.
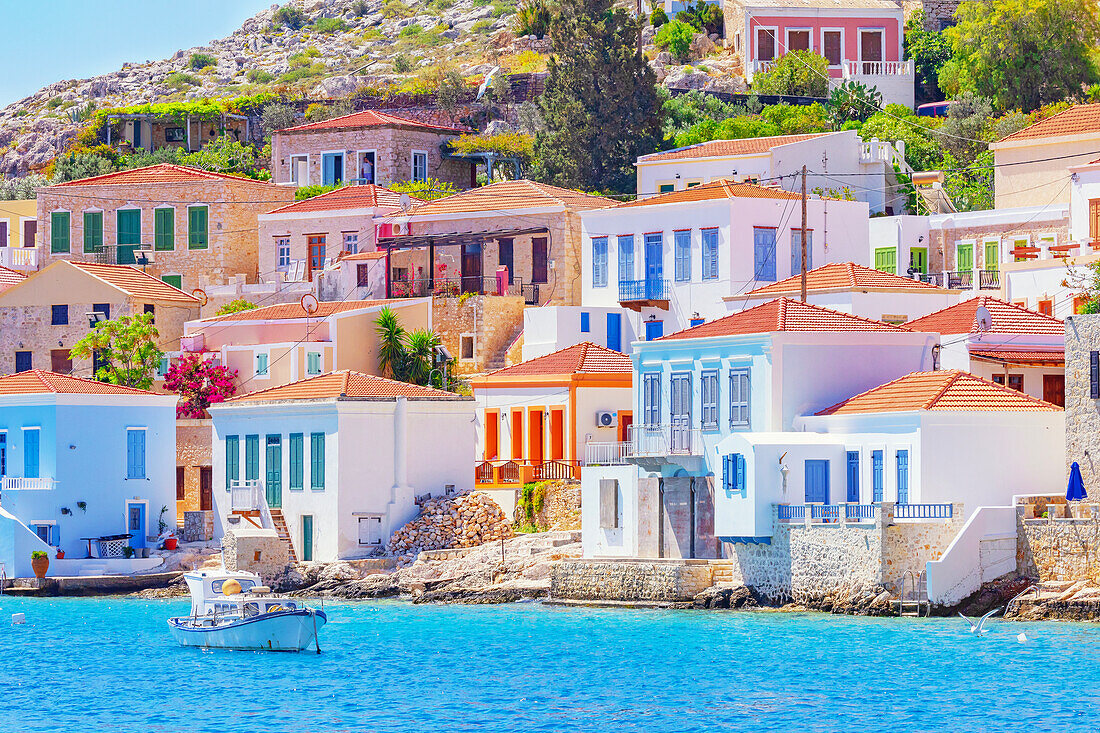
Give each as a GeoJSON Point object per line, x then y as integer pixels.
{"type": "Point", "coordinates": [1035, 280]}
{"type": "Point", "coordinates": [1085, 182]}
{"type": "Point", "coordinates": [597, 541]}
{"type": "Point", "coordinates": [901, 232]}
{"type": "Point", "coordinates": [551, 328]}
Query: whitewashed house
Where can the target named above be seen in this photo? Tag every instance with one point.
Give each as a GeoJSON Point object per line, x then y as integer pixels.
{"type": "Point", "coordinates": [778, 160]}
{"type": "Point", "coordinates": [670, 259]}
{"type": "Point", "coordinates": [79, 461]}
{"type": "Point", "coordinates": [754, 371]}
{"type": "Point", "coordinates": [1002, 342]}
{"type": "Point", "coordinates": [552, 328]}
{"type": "Point", "coordinates": [927, 442]}
{"type": "Point", "coordinates": [856, 289]}
{"type": "Point", "coordinates": [334, 463]}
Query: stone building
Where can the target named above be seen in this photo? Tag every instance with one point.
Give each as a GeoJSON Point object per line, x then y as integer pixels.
{"type": "Point", "coordinates": [1083, 397]}
{"type": "Point", "coordinates": [199, 226]}
{"type": "Point", "coordinates": [194, 478]}
{"type": "Point", "coordinates": [366, 147]}
{"type": "Point", "coordinates": [456, 243]}
{"type": "Point", "coordinates": [297, 240]}
{"type": "Point", "coordinates": [43, 316]}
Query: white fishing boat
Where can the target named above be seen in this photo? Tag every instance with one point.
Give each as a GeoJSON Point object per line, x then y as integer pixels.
{"type": "Point", "coordinates": [234, 610]}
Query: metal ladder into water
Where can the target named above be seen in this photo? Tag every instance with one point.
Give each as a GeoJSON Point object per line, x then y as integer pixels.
{"type": "Point", "coordinates": [913, 595]}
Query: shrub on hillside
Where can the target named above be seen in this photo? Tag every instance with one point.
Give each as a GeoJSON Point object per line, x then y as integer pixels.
{"type": "Point", "coordinates": [289, 16]}
{"type": "Point", "coordinates": [402, 64]}
{"type": "Point", "coordinates": [675, 37]}
{"type": "Point", "coordinates": [329, 25]}
{"type": "Point", "coordinates": [533, 18]}
{"type": "Point", "coordinates": [396, 9]}
{"type": "Point", "coordinates": [658, 17]}
{"type": "Point", "coordinates": [359, 8]}
{"type": "Point", "coordinates": [259, 76]}
{"type": "Point", "coordinates": [179, 81]}
{"type": "Point", "coordinates": [201, 61]}
{"type": "Point", "coordinates": [795, 73]}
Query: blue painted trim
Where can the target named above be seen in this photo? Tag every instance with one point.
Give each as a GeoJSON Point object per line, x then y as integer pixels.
{"type": "Point", "coordinates": [747, 540]}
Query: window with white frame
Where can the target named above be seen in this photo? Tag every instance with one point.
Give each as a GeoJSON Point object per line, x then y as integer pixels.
{"type": "Point", "coordinates": [626, 257]}
{"type": "Point", "coordinates": [351, 242]}
{"type": "Point", "coordinates": [739, 398]}
{"type": "Point", "coordinates": [466, 346]}
{"type": "Point", "coordinates": [262, 364]}
{"type": "Point", "coordinates": [681, 245]}
{"type": "Point", "coordinates": [599, 262]}
{"type": "Point", "coordinates": [651, 398]}
{"type": "Point", "coordinates": [419, 166]}
{"type": "Point", "coordinates": [710, 254]}
{"type": "Point", "coordinates": [708, 384]}
{"type": "Point", "coordinates": [282, 254]}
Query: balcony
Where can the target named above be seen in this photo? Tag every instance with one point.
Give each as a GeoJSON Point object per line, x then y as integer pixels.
{"type": "Point", "coordinates": [857, 69]}
{"type": "Point", "coordinates": [960, 279]}
{"type": "Point", "coordinates": [856, 513]}
{"type": "Point", "coordinates": [20, 483]}
{"type": "Point", "coordinates": [456, 286]}
{"type": "Point", "coordinates": [989, 280]}
{"type": "Point", "coordinates": [19, 258]}
{"type": "Point", "coordinates": [638, 294]}
{"type": "Point", "coordinates": [661, 444]}
{"type": "Point", "coordinates": [513, 474]}
{"type": "Point", "coordinates": [606, 454]}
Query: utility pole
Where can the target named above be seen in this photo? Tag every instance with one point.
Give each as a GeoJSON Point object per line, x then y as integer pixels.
{"type": "Point", "coordinates": [803, 261]}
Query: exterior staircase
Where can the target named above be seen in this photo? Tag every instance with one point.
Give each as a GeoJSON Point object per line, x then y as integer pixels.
{"type": "Point", "coordinates": [721, 572]}
{"type": "Point", "coordinates": [284, 534]}
{"type": "Point", "coordinates": [498, 360]}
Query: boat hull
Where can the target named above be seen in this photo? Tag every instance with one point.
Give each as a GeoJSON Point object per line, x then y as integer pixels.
{"type": "Point", "coordinates": [285, 631]}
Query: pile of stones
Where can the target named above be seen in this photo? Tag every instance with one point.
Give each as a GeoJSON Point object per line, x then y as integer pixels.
{"type": "Point", "coordinates": [466, 520]}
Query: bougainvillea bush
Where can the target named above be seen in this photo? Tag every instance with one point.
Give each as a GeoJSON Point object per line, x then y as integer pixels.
{"type": "Point", "coordinates": [200, 384]}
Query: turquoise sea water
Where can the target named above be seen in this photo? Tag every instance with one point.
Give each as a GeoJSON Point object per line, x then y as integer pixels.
{"type": "Point", "coordinates": [109, 664]}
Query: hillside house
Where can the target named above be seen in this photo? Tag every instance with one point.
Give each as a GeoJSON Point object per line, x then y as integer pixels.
{"type": "Point", "coordinates": [42, 316]}
{"type": "Point", "coordinates": [672, 258]}
{"type": "Point", "coordinates": [83, 459]}
{"type": "Point", "coordinates": [194, 227]}
{"type": "Point", "coordinates": [779, 160]}
{"type": "Point", "coordinates": [343, 459]}
{"type": "Point", "coordinates": [18, 235]}
{"type": "Point", "coordinates": [130, 131]}
{"type": "Point", "coordinates": [1002, 342]}
{"type": "Point", "coordinates": [861, 39]}
{"type": "Point", "coordinates": [366, 147]}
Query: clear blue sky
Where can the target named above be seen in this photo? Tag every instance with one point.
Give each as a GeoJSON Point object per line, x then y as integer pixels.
{"type": "Point", "coordinates": [44, 41]}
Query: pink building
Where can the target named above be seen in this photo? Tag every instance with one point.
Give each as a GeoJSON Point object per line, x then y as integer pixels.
{"type": "Point", "coordinates": [862, 39]}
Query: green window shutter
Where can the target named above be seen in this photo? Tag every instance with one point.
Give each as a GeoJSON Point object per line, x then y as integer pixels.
{"type": "Point", "coordinates": [918, 259]}
{"type": "Point", "coordinates": [297, 468]}
{"type": "Point", "coordinates": [175, 281]}
{"type": "Point", "coordinates": [251, 456]}
{"type": "Point", "coordinates": [886, 260]}
{"type": "Point", "coordinates": [129, 226]}
{"type": "Point", "coordinates": [964, 258]}
{"type": "Point", "coordinates": [313, 362]}
{"type": "Point", "coordinates": [232, 459]}
{"type": "Point", "coordinates": [317, 461]}
{"type": "Point", "coordinates": [59, 231]}
{"type": "Point", "coordinates": [197, 235]}
{"type": "Point", "coordinates": [165, 225]}
{"type": "Point", "coordinates": [93, 231]}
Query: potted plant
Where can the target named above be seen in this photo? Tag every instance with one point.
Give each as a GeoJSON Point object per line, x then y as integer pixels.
{"type": "Point", "coordinates": [60, 554]}
{"type": "Point", "coordinates": [40, 563]}
{"type": "Point", "coordinates": [128, 552]}
{"type": "Point", "coordinates": [171, 542]}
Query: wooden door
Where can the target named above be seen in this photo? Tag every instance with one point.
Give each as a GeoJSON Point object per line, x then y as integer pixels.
{"type": "Point", "coordinates": [534, 436]}
{"type": "Point", "coordinates": [870, 51]}
{"type": "Point", "coordinates": [540, 262]}
{"type": "Point", "coordinates": [1054, 389]}
{"type": "Point", "coordinates": [557, 434]}
{"type": "Point", "coordinates": [206, 488]}
{"type": "Point", "coordinates": [30, 233]}
{"type": "Point", "coordinates": [471, 268]}
{"type": "Point", "coordinates": [817, 482]}
{"type": "Point", "coordinates": [517, 435]}
{"type": "Point", "coordinates": [181, 486]}
{"type": "Point", "coordinates": [492, 435]}
{"type": "Point", "coordinates": [273, 462]}
{"type": "Point", "coordinates": [765, 44]}
{"type": "Point", "coordinates": [626, 419]}
{"type": "Point", "coordinates": [315, 262]}
{"type": "Point", "coordinates": [853, 477]}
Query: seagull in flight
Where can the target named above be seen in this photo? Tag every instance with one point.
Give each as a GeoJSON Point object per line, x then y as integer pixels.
{"type": "Point", "coordinates": [978, 629]}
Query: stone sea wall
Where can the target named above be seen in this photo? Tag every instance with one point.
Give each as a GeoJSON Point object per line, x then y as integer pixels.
{"type": "Point", "coordinates": [623, 580]}
{"type": "Point", "coordinates": [1059, 549]}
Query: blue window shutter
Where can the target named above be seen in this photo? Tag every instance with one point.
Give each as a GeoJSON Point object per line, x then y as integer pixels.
{"type": "Point", "coordinates": [727, 473]}
{"type": "Point", "coordinates": [30, 453]}
{"type": "Point", "coordinates": [135, 454]}
{"type": "Point", "coordinates": [317, 461]}
{"type": "Point", "coordinates": [764, 254]}
{"type": "Point", "coordinates": [740, 469]}
{"type": "Point", "coordinates": [853, 476]}
{"type": "Point", "coordinates": [585, 323]}
{"type": "Point", "coordinates": [232, 459]}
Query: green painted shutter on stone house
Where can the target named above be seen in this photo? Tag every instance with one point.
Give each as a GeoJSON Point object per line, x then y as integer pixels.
{"type": "Point", "coordinates": [128, 236]}
{"type": "Point", "coordinates": [93, 231]}
{"type": "Point", "coordinates": [164, 225]}
{"type": "Point", "coordinates": [197, 224]}
{"type": "Point", "coordinates": [59, 231]}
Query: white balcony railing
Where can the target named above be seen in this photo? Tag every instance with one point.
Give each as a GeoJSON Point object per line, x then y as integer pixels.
{"type": "Point", "coordinates": [19, 258]}
{"type": "Point", "coordinates": [247, 495]}
{"type": "Point", "coordinates": [652, 441]}
{"type": "Point", "coordinates": [20, 483]}
{"type": "Point", "coordinates": [606, 454]}
{"type": "Point", "coordinates": [854, 69]}
{"type": "Point", "coordinates": [760, 67]}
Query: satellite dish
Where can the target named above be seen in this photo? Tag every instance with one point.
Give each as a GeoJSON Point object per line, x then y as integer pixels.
{"type": "Point", "coordinates": [406, 201]}
{"type": "Point", "coordinates": [200, 294]}
{"type": "Point", "coordinates": [982, 318]}
{"type": "Point", "coordinates": [309, 303]}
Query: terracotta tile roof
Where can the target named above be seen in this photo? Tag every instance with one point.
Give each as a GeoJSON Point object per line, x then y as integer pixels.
{"type": "Point", "coordinates": [349, 197]}
{"type": "Point", "coordinates": [1077, 120]}
{"type": "Point", "coordinates": [727, 148]}
{"type": "Point", "coordinates": [783, 314]}
{"type": "Point", "coordinates": [370, 118]}
{"type": "Point", "coordinates": [376, 255]}
{"type": "Point", "coordinates": [582, 358]}
{"type": "Point", "coordinates": [945, 390]}
{"type": "Point", "coordinates": [507, 195]}
{"type": "Point", "coordinates": [349, 384]}
{"type": "Point", "coordinates": [10, 277]}
{"type": "Point", "coordinates": [879, 4]}
{"type": "Point", "coordinates": [157, 174]}
{"type": "Point", "coordinates": [292, 311]}
{"type": "Point", "coordinates": [842, 275]}
{"type": "Point", "coordinates": [721, 189]}
{"type": "Point", "coordinates": [1006, 318]}
{"type": "Point", "coordinates": [1048, 358]}
{"type": "Point", "coordinates": [135, 283]}
{"type": "Point", "coordinates": [39, 381]}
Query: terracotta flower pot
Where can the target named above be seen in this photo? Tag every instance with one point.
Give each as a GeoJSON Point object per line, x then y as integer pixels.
{"type": "Point", "coordinates": [170, 543]}
{"type": "Point", "coordinates": [40, 565]}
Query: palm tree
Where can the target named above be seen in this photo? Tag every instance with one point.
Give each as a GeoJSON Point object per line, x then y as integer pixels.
{"type": "Point", "coordinates": [391, 344]}
{"type": "Point", "coordinates": [420, 346]}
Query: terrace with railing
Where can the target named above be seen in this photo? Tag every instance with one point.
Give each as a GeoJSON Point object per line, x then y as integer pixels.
{"type": "Point", "coordinates": [23, 483]}
{"type": "Point", "coordinates": [516, 473]}
{"type": "Point", "coordinates": [456, 286]}
{"type": "Point", "coordinates": [19, 258]}
{"type": "Point", "coordinates": [658, 441]}
{"type": "Point", "coordinates": [248, 501]}
{"type": "Point", "coordinates": [853, 513]}
{"type": "Point", "coordinates": [637, 294]}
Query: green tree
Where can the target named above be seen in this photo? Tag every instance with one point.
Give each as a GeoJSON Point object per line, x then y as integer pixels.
{"type": "Point", "coordinates": [963, 131]}
{"type": "Point", "coordinates": [852, 101]}
{"type": "Point", "coordinates": [427, 190]}
{"type": "Point", "coordinates": [1023, 53]}
{"type": "Point", "coordinates": [74, 166]}
{"type": "Point", "coordinates": [223, 155]}
{"type": "Point", "coordinates": [407, 356]}
{"type": "Point", "coordinates": [235, 306]}
{"type": "Point", "coordinates": [795, 73]}
{"type": "Point", "coordinates": [600, 106]}
{"type": "Point", "coordinates": [391, 344]}
{"type": "Point", "coordinates": [126, 349]}
{"type": "Point", "coordinates": [970, 186]}
{"type": "Point", "coordinates": [930, 50]}
{"type": "Point", "coordinates": [675, 37]}
{"type": "Point", "coordinates": [278, 117]}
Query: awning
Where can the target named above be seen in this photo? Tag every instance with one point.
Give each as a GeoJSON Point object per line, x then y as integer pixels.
{"type": "Point", "coordinates": [415, 241]}
{"type": "Point", "coordinates": [1022, 358]}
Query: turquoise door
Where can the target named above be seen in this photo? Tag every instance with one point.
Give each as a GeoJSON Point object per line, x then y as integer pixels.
{"type": "Point", "coordinates": [903, 477]}
{"type": "Point", "coordinates": [817, 482]}
{"type": "Point", "coordinates": [654, 265]}
{"type": "Point", "coordinates": [876, 476]}
{"type": "Point", "coordinates": [307, 537]}
{"type": "Point", "coordinates": [274, 464]}
{"type": "Point", "coordinates": [135, 523]}
{"type": "Point", "coordinates": [332, 169]}
{"type": "Point", "coordinates": [654, 330]}
{"type": "Point", "coordinates": [128, 237]}
{"type": "Point", "coordinates": [615, 331]}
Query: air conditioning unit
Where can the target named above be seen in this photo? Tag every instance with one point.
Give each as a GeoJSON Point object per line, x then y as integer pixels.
{"type": "Point", "coordinates": [606, 419]}
{"type": "Point", "coordinates": [400, 228]}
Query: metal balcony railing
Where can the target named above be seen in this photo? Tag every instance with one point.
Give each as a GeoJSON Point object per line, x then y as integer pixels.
{"type": "Point", "coordinates": [644, 290]}
{"type": "Point", "coordinates": [653, 441]}
{"type": "Point", "coordinates": [606, 454]}
{"type": "Point", "coordinates": [923, 511]}
{"type": "Point", "coordinates": [960, 279]}
{"type": "Point", "coordinates": [989, 280]}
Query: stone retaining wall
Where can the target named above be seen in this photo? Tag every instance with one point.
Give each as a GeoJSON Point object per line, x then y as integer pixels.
{"type": "Point", "coordinates": [259, 551]}
{"type": "Point", "coordinates": [630, 580]}
{"type": "Point", "coordinates": [1059, 549]}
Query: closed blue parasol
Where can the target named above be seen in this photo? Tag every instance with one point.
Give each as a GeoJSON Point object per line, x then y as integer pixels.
{"type": "Point", "coordinates": [1075, 490]}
